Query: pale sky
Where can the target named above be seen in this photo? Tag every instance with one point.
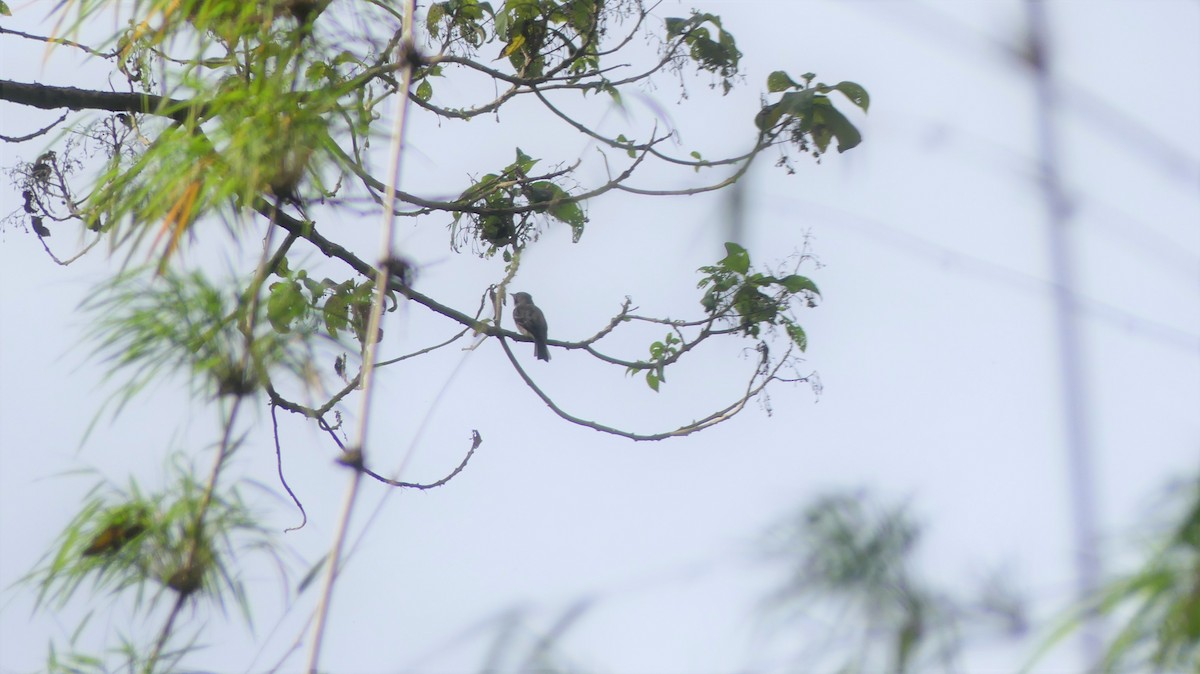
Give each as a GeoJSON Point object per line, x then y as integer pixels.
{"type": "Point", "coordinates": [934, 343]}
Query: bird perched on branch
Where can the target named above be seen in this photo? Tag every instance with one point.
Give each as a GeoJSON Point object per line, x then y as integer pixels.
{"type": "Point", "coordinates": [532, 323]}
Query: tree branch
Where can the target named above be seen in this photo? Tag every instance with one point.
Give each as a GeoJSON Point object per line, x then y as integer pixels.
{"type": "Point", "coordinates": [758, 381]}
{"type": "Point", "coordinates": [48, 97]}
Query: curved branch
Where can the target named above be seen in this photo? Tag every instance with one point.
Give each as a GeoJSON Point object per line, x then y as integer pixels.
{"type": "Point", "coordinates": [282, 479]}
{"type": "Point", "coordinates": [308, 232]}
{"type": "Point", "coordinates": [318, 413]}
{"type": "Point", "coordinates": [476, 440]}
{"type": "Point", "coordinates": [58, 40]}
{"type": "Point", "coordinates": [643, 12]}
{"type": "Point", "coordinates": [616, 144]}
{"type": "Point", "coordinates": [40, 132]}
{"type": "Point", "coordinates": [752, 390]}
{"type": "Point", "coordinates": [61, 262]}
{"type": "Point", "coordinates": [461, 207]}
{"type": "Point", "coordinates": [670, 360]}
{"type": "Point", "coordinates": [353, 458]}
{"type": "Point", "coordinates": [468, 113]}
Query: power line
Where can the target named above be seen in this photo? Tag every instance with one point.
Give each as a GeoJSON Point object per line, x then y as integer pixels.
{"type": "Point", "coordinates": [917, 246]}
{"type": "Point", "coordinates": [1151, 147]}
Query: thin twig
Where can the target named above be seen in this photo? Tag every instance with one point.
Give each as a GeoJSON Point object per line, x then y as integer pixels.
{"type": "Point", "coordinates": [40, 132]}
{"type": "Point", "coordinates": [763, 375]}
{"type": "Point", "coordinates": [282, 479]}
{"type": "Point", "coordinates": [58, 40]}
{"type": "Point", "coordinates": [476, 439]}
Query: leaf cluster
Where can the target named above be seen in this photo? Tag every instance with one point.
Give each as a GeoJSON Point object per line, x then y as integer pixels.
{"type": "Point", "coordinates": [297, 301]}
{"type": "Point", "coordinates": [754, 300]}
{"type": "Point", "coordinates": [537, 35]}
{"type": "Point", "coordinates": [502, 207]}
{"type": "Point", "coordinates": [719, 56]}
{"type": "Point", "coordinates": [127, 539]}
{"type": "Point", "coordinates": [176, 322]}
{"type": "Point", "coordinates": [849, 555]}
{"type": "Point", "coordinates": [805, 114]}
{"type": "Point", "coordinates": [661, 353]}
{"type": "Point", "coordinates": [1161, 601]}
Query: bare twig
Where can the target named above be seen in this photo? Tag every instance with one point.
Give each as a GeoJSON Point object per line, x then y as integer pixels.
{"type": "Point", "coordinates": [476, 439]}
{"type": "Point", "coordinates": [763, 375]}
{"type": "Point", "coordinates": [282, 479]}
{"type": "Point", "coordinates": [40, 132]}
{"type": "Point", "coordinates": [58, 40]}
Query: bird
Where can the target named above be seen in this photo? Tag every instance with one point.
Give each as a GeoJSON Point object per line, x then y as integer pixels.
{"type": "Point", "coordinates": [532, 323]}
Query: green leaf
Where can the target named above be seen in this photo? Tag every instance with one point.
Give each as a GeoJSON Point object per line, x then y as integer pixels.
{"type": "Point", "coordinates": [337, 314]}
{"type": "Point", "coordinates": [796, 283]}
{"type": "Point", "coordinates": [754, 307]}
{"type": "Point", "coordinates": [615, 94]}
{"type": "Point", "coordinates": [501, 24]}
{"type": "Point", "coordinates": [652, 380]}
{"type": "Point", "coordinates": [798, 337]}
{"type": "Point", "coordinates": [622, 139]}
{"type": "Point", "coordinates": [855, 93]}
{"type": "Point", "coordinates": [793, 103]}
{"type": "Point", "coordinates": [847, 135]}
{"type": "Point", "coordinates": [676, 26]}
{"type": "Point", "coordinates": [436, 11]}
{"type": "Point", "coordinates": [543, 192]}
{"type": "Point", "coordinates": [797, 103]}
{"type": "Point", "coordinates": [424, 90]}
{"type": "Point", "coordinates": [580, 13]}
{"type": "Point", "coordinates": [4, 10]}
{"type": "Point", "coordinates": [736, 258]}
{"type": "Point", "coordinates": [779, 81]}
{"type": "Point", "coordinates": [570, 213]}
{"type": "Point", "coordinates": [285, 305]}
{"type": "Point", "coordinates": [760, 280]}
{"type": "Point", "coordinates": [767, 117]}
{"type": "Point", "coordinates": [317, 72]}
{"type": "Point", "coordinates": [480, 189]}
{"type": "Point", "coordinates": [525, 162]}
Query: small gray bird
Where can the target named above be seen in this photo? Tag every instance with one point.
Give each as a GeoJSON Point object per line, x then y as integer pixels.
{"type": "Point", "coordinates": [532, 323]}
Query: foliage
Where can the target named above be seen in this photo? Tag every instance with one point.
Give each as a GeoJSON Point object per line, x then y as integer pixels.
{"type": "Point", "coordinates": [719, 56]}
{"type": "Point", "coordinates": [806, 115]}
{"type": "Point", "coordinates": [854, 558]}
{"type": "Point", "coordinates": [154, 548]}
{"type": "Point", "coordinates": [1158, 605]}
{"type": "Point", "coordinates": [753, 300]}
{"type": "Point", "coordinates": [506, 202]}
{"type": "Point", "coordinates": [151, 326]}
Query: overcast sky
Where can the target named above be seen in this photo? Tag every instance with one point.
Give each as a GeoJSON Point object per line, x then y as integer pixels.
{"type": "Point", "coordinates": [934, 342]}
